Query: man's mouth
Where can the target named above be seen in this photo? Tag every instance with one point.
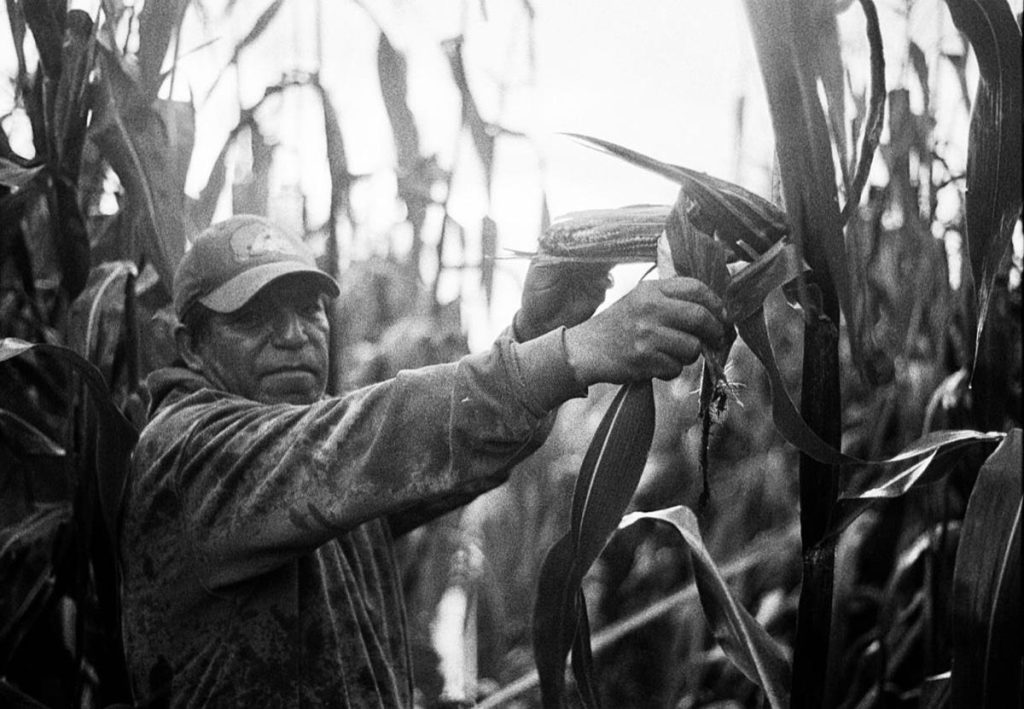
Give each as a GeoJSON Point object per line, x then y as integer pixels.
{"type": "Point", "coordinates": [290, 370]}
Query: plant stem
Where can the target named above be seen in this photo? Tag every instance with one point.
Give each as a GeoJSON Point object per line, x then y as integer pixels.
{"type": "Point", "coordinates": [820, 404]}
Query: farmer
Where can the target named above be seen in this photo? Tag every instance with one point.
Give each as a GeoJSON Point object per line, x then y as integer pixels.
{"type": "Point", "coordinates": [257, 537]}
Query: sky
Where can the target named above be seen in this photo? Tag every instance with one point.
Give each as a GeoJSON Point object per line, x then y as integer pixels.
{"type": "Point", "coordinates": [664, 77]}
{"type": "Point", "coordinates": [660, 76]}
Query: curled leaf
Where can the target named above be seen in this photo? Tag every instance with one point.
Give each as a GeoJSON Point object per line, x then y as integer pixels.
{"type": "Point", "coordinates": [926, 461]}
{"type": "Point", "coordinates": [744, 641]}
{"type": "Point", "coordinates": [787, 418]}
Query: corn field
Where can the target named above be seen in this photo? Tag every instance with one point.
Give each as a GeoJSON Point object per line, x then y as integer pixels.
{"type": "Point", "coordinates": [825, 512]}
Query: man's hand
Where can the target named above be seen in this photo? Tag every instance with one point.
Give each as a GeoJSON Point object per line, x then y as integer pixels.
{"type": "Point", "coordinates": [558, 294]}
{"type": "Point", "coordinates": [653, 331]}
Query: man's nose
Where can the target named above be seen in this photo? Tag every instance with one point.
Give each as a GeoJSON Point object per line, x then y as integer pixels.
{"type": "Point", "coordinates": [288, 331]}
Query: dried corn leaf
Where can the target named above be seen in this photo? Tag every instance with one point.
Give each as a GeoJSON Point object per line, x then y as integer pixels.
{"type": "Point", "coordinates": [392, 69]}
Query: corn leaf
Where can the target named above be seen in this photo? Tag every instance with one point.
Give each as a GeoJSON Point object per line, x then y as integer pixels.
{"type": "Point", "coordinates": [66, 45]}
{"type": "Point", "coordinates": [14, 698]}
{"type": "Point", "coordinates": [608, 478]}
{"type": "Point", "coordinates": [148, 144]}
{"type": "Point", "coordinates": [483, 137]}
{"type": "Point", "coordinates": [158, 21]}
{"type": "Point", "coordinates": [25, 439]}
{"type": "Point", "coordinates": [926, 461]}
{"type": "Point", "coordinates": [920, 63]}
{"type": "Point", "coordinates": [876, 111]}
{"type": "Point", "coordinates": [583, 658]}
{"type": "Point", "coordinates": [611, 469]}
{"type": "Point", "coordinates": [392, 70]}
{"type": "Point", "coordinates": [744, 641]}
{"type": "Point", "coordinates": [786, 38]}
{"type": "Point", "coordinates": [70, 108]}
{"type": "Point", "coordinates": [341, 178]}
{"type": "Point", "coordinates": [254, 33]}
{"type": "Point", "coordinates": [14, 175]}
{"type": "Point", "coordinates": [747, 290]}
{"type": "Point", "coordinates": [695, 254]}
{"type": "Point", "coordinates": [29, 551]}
{"type": "Point", "coordinates": [994, 142]}
{"type": "Point", "coordinates": [114, 435]}
{"type": "Point", "coordinates": [555, 619]}
{"type": "Point", "coordinates": [935, 692]}
{"type": "Point", "coordinates": [987, 642]}
{"type": "Point", "coordinates": [788, 421]}
{"type": "Point", "coordinates": [896, 483]}
{"type": "Point", "coordinates": [201, 210]}
{"type": "Point", "coordinates": [46, 21]}
{"type": "Point", "coordinates": [18, 25]}
{"type": "Point", "coordinates": [488, 251]}
{"type": "Point", "coordinates": [828, 63]}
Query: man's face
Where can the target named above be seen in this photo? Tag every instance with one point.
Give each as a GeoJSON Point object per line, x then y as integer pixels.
{"type": "Point", "coordinates": [273, 349]}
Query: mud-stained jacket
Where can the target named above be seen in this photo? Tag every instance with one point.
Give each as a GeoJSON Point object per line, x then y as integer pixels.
{"type": "Point", "coordinates": [257, 539]}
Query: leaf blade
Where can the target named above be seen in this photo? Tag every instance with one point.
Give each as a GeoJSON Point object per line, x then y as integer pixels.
{"type": "Point", "coordinates": [746, 643]}
{"type": "Point", "coordinates": [987, 644]}
{"type": "Point", "coordinates": [994, 141]}
{"type": "Point", "coordinates": [608, 477]}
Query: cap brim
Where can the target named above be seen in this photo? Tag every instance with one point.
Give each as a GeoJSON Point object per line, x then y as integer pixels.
{"type": "Point", "coordinates": [236, 292]}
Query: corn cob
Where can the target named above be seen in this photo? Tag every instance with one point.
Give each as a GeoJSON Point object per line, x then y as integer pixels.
{"type": "Point", "coordinates": [626, 234]}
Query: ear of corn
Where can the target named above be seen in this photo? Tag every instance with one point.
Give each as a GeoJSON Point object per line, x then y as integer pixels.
{"type": "Point", "coordinates": [626, 234]}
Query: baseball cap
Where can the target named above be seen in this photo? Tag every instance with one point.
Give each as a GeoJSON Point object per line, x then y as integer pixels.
{"type": "Point", "coordinates": [230, 261]}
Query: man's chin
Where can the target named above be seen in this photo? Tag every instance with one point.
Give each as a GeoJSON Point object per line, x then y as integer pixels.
{"type": "Point", "coordinates": [293, 387]}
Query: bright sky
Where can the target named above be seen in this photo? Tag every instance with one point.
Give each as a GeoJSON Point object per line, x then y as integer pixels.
{"type": "Point", "coordinates": [661, 76]}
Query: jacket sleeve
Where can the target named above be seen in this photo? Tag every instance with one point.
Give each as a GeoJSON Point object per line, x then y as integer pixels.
{"type": "Point", "coordinates": [258, 484]}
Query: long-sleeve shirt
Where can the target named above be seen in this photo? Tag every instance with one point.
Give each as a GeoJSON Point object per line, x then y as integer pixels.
{"type": "Point", "coordinates": [257, 539]}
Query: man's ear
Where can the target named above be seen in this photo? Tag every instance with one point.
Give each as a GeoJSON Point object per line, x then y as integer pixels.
{"type": "Point", "coordinates": [187, 348]}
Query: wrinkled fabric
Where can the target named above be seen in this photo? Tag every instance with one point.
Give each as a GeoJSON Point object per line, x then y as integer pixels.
{"type": "Point", "coordinates": [257, 539]}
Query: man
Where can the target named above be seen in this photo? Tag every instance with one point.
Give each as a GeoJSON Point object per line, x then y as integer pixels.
{"type": "Point", "coordinates": [257, 539]}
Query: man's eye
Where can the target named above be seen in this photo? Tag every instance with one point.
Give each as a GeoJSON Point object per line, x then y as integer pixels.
{"type": "Point", "coordinates": [248, 318]}
{"type": "Point", "coordinates": [310, 309]}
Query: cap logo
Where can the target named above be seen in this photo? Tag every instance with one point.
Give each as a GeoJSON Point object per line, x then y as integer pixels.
{"type": "Point", "coordinates": [254, 240]}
